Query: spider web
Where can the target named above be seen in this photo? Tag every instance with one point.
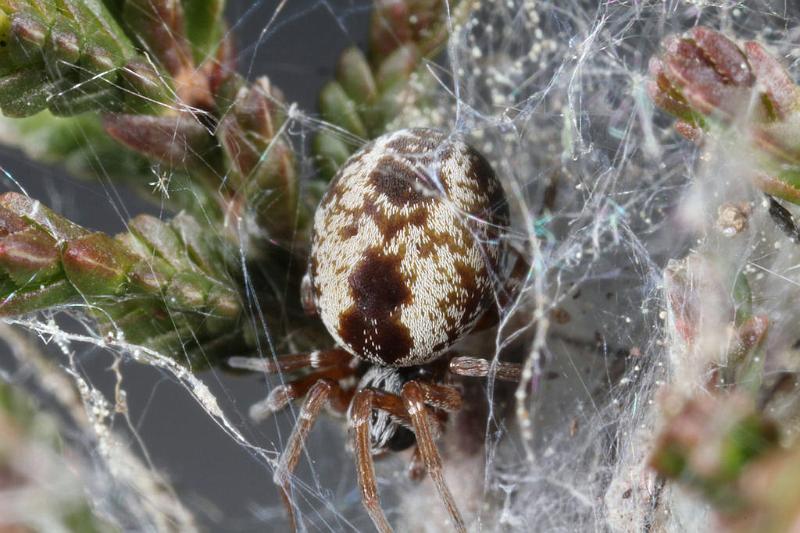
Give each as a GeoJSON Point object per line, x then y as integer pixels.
{"type": "Point", "coordinates": [603, 194]}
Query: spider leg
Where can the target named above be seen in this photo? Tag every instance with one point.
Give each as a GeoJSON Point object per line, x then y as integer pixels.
{"type": "Point", "coordinates": [440, 396]}
{"type": "Point", "coordinates": [280, 396]}
{"type": "Point", "coordinates": [291, 362]}
{"type": "Point", "coordinates": [318, 395]}
{"type": "Point", "coordinates": [507, 291]}
{"type": "Point", "coordinates": [365, 400]}
{"type": "Point", "coordinates": [414, 399]}
{"type": "Point", "coordinates": [480, 368]}
{"type": "Point", "coordinates": [363, 403]}
{"type": "Point", "coordinates": [416, 467]}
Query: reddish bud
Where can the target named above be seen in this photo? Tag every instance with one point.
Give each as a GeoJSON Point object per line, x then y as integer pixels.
{"type": "Point", "coordinates": [29, 256]}
{"type": "Point", "coordinates": [97, 264]}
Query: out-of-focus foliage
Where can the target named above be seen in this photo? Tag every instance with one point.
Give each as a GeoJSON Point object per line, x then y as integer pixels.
{"type": "Point", "coordinates": [162, 285]}
{"type": "Point", "coordinates": [720, 442]}
{"type": "Point", "coordinates": [711, 84]}
{"type": "Point", "coordinates": [709, 442]}
{"type": "Point", "coordinates": [37, 482]}
{"type": "Point", "coordinates": [190, 134]}
{"type": "Point", "coordinates": [372, 88]}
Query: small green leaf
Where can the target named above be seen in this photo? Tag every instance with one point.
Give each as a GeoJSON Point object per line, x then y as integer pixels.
{"type": "Point", "coordinates": [204, 26]}
{"type": "Point", "coordinates": [97, 264]}
{"type": "Point", "coordinates": [355, 76]}
{"type": "Point", "coordinates": [340, 109]}
{"type": "Point", "coordinates": [29, 257]}
{"type": "Point", "coordinates": [18, 301]}
{"type": "Point", "coordinates": [397, 67]}
{"type": "Point", "coordinates": [331, 152]}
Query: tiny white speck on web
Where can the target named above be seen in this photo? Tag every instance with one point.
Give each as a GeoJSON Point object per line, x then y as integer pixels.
{"type": "Point", "coordinates": [602, 194]}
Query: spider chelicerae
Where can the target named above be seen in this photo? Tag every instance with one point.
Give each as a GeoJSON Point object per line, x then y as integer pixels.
{"type": "Point", "coordinates": [406, 249]}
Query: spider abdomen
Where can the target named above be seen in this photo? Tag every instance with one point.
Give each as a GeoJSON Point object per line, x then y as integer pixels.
{"type": "Point", "coordinates": [406, 245]}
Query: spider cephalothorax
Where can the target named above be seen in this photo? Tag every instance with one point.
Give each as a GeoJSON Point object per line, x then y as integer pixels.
{"type": "Point", "coordinates": [406, 248]}
{"type": "Point", "coordinates": [386, 432]}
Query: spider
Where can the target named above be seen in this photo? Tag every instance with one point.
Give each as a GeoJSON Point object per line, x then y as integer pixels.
{"type": "Point", "coordinates": [404, 248]}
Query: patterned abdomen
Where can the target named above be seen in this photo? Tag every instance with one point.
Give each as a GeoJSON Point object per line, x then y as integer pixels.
{"type": "Point", "coordinates": [406, 245]}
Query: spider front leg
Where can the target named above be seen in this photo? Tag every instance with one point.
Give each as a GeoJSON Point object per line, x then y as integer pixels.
{"type": "Point", "coordinates": [414, 400]}
{"type": "Point", "coordinates": [363, 404]}
{"type": "Point", "coordinates": [410, 407]}
{"type": "Point", "coordinates": [439, 396]}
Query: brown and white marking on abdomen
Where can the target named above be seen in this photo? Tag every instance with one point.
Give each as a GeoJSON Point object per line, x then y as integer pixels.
{"type": "Point", "coordinates": [404, 247]}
